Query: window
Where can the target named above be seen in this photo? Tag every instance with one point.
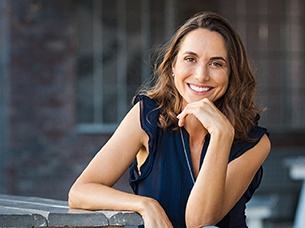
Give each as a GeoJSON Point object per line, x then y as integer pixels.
{"type": "Point", "coordinates": [113, 40]}
{"type": "Point", "coordinates": [115, 36]}
{"type": "Point", "coordinates": [274, 37]}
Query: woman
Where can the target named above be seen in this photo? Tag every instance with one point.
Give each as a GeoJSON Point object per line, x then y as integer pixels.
{"type": "Point", "coordinates": [192, 141]}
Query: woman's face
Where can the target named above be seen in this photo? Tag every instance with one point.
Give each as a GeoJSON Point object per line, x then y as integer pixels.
{"type": "Point", "coordinates": [202, 67]}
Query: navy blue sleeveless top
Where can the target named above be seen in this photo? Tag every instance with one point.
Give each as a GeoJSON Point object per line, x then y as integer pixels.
{"type": "Point", "coordinates": [165, 175]}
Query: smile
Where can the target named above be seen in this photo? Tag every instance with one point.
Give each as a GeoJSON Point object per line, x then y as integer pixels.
{"type": "Point", "coordinates": [199, 89]}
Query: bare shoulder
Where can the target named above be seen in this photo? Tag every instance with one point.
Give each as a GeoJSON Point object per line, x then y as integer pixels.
{"type": "Point", "coordinates": [263, 147]}
{"type": "Point", "coordinates": [253, 158]}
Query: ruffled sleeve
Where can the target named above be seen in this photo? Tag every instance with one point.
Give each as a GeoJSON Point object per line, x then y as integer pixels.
{"type": "Point", "coordinates": [149, 114]}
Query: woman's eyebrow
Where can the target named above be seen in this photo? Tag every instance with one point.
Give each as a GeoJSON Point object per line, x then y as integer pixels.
{"type": "Point", "coordinates": [190, 53]}
{"type": "Point", "coordinates": [218, 58]}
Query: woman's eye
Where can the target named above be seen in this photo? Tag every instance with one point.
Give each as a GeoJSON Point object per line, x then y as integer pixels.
{"type": "Point", "coordinates": [216, 64]}
{"type": "Point", "coordinates": [190, 59]}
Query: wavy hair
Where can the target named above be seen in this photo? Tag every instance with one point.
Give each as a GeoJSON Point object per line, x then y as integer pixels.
{"type": "Point", "coordinates": [237, 104]}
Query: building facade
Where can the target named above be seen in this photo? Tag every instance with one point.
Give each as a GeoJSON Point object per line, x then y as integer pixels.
{"type": "Point", "coordinates": [69, 70]}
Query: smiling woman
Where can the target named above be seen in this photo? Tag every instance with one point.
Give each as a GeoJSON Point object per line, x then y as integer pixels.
{"type": "Point", "coordinates": [193, 160]}
{"type": "Point", "coordinates": [201, 68]}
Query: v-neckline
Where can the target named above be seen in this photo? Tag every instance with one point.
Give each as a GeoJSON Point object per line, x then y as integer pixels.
{"type": "Point", "coordinates": [186, 147]}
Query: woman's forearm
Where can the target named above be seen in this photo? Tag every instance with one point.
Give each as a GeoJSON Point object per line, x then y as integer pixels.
{"type": "Point", "coordinates": [205, 203]}
{"type": "Point", "coordinates": [98, 197]}
{"type": "Point", "coordinates": [95, 196]}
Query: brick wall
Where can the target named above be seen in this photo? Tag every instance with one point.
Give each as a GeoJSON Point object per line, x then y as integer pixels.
{"type": "Point", "coordinates": [45, 152]}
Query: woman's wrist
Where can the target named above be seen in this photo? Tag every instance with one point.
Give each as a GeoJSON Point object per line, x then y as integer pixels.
{"type": "Point", "coordinates": [144, 204]}
{"type": "Point", "coordinates": [223, 135]}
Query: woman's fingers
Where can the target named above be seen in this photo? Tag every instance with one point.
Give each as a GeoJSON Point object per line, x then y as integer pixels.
{"type": "Point", "coordinates": [196, 108]}
{"type": "Point", "coordinates": [206, 112]}
{"type": "Point", "coordinates": [181, 119]}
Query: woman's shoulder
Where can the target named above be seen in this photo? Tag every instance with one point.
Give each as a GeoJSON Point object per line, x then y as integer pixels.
{"type": "Point", "coordinates": [145, 100]}
{"type": "Point", "coordinates": [149, 112]}
{"type": "Point", "coordinates": [241, 146]}
{"type": "Point", "coordinates": [149, 107]}
{"type": "Point", "coordinates": [257, 132]}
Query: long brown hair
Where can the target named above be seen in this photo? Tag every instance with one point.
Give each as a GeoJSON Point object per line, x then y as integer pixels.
{"type": "Point", "coordinates": [237, 104]}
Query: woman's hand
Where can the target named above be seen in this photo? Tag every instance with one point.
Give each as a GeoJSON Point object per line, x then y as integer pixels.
{"type": "Point", "coordinates": [208, 114]}
{"type": "Point", "coordinates": [154, 215]}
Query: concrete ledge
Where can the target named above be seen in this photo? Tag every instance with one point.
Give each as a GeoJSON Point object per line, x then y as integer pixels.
{"type": "Point", "coordinates": [13, 217]}
{"type": "Point", "coordinates": [18, 211]}
{"type": "Point", "coordinates": [125, 218]}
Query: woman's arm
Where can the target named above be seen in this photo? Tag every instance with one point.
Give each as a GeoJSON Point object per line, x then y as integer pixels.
{"type": "Point", "coordinates": [93, 189]}
{"type": "Point", "coordinates": [217, 190]}
{"type": "Point", "coordinates": [219, 185]}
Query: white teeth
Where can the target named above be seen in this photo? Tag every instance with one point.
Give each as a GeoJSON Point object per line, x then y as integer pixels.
{"type": "Point", "coordinates": [199, 89]}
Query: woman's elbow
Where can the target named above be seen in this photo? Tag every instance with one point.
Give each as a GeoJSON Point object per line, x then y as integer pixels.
{"type": "Point", "coordinates": [72, 198]}
{"type": "Point", "coordinates": [191, 223]}
{"type": "Point", "coordinates": [75, 198]}
{"type": "Point", "coordinates": [202, 220]}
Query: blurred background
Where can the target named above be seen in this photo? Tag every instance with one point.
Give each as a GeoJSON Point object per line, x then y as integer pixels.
{"type": "Point", "coordinates": [69, 70]}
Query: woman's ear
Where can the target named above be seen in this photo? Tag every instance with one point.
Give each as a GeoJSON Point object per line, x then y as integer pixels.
{"type": "Point", "coordinates": [173, 67]}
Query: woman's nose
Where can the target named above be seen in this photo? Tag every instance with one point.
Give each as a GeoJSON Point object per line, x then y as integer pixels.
{"type": "Point", "coordinates": [202, 73]}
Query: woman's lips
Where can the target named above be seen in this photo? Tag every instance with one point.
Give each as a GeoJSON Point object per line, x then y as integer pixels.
{"type": "Point", "coordinates": [200, 89]}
